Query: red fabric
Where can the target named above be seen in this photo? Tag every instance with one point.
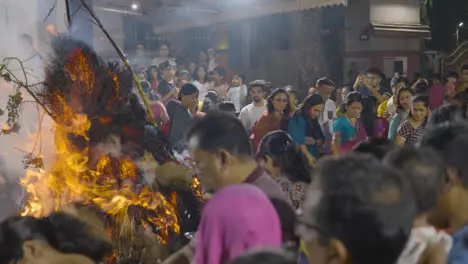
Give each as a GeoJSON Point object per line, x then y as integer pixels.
{"type": "Point", "coordinates": [157, 109]}
{"type": "Point", "coordinates": [360, 136]}
{"type": "Point", "coordinates": [381, 128]}
{"type": "Point", "coordinates": [165, 128]}
{"type": "Point", "coordinates": [436, 95]}
{"type": "Point", "coordinates": [264, 125]}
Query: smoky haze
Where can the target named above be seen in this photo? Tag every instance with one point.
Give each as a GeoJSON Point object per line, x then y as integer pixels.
{"type": "Point", "coordinates": [23, 35]}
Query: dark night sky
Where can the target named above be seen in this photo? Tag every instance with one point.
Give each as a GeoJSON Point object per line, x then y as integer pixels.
{"type": "Point", "coordinates": [445, 16]}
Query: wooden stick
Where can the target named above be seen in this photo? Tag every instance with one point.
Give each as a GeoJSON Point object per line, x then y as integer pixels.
{"type": "Point", "coordinates": [67, 7]}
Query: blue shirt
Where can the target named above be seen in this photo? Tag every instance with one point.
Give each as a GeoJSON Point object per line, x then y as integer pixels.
{"type": "Point", "coordinates": [395, 123]}
{"type": "Point", "coordinates": [459, 252]}
{"type": "Point", "coordinates": [297, 128]}
{"type": "Point", "coordinates": [345, 128]}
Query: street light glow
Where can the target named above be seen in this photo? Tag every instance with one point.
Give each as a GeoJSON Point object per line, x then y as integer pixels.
{"type": "Point", "coordinates": [134, 6]}
{"type": "Point", "coordinates": [461, 24]}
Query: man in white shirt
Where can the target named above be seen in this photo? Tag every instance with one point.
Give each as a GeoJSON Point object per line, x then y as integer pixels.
{"type": "Point", "coordinates": [250, 114]}
{"type": "Point", "coordinates": [324, 87]}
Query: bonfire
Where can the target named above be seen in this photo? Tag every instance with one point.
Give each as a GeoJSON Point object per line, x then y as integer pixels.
{"type": "Point", "coordinates": [101, 137]}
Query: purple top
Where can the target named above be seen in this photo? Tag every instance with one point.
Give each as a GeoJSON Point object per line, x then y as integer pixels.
{"type": "Point", "coordinates": [236, 219]}
{"type": "Point", "coordinates": [436, 95]}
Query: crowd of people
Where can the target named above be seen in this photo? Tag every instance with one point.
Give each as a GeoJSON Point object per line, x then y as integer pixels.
{"type": "Point", "coordinates": [330, 120]}
{"type": "Point", "coordinates": [358, 174]}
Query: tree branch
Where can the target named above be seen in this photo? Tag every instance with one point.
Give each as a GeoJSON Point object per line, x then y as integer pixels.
{"type": "Point", "coordinates": [25, 84]}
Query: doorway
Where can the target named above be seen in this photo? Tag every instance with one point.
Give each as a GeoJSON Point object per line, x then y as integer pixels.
{"type": "Point", "coordinates": [395, 64]}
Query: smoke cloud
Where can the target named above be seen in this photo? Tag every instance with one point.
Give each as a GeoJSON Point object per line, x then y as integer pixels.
{"type": "Point", "coordinates": [24, 26]}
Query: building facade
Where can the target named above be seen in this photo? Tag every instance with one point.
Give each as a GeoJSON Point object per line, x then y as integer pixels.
{"type": "Point", "coordinates": [384, 33]}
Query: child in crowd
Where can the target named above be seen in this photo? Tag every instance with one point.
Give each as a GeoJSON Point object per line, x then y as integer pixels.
{"type": "Point", "coordinates": [218, 83]}
{"type": "Point", "coordinates": [145, 85]}
{"type": "Point", "coordinates": [237, 93]}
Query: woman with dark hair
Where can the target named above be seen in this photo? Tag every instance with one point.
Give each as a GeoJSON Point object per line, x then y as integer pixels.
{"type": "Point", "coordinates": [335, 96]}
{"type": "Point", "coordinates": [403, 99]}
{"type": "Point", "coordinates": [286, 162]}
{"type": "Point", "coordinates": [377, 147]}
{"type": "Point", "coordinates": [153, 77]}
{"type": "Point", "coordinates": [345, 90]}
{"type": "Point", "coordinates": [348, 130]}
{"type": "Point", "coordinates": [58, 238]}
{"type": "Point", "coordinates": [305, 129]}
{"type": "Point", "coordinates": [181, 115]}
{"type": "Point", "coordinates": [275, 118]}
{"type": "Point", "coordinates": [411, 129]}
{"type": "Point", "coordinates": [200, 80]}
{"type": "Point", "coordinates": [208, 104]}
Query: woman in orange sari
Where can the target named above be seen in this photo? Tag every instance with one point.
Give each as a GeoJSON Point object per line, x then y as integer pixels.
{"type": "Point", "coordinates": [276, 117]}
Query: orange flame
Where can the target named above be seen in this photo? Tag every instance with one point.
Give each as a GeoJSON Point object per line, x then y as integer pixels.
{"type": "Point", "coordinates": [6, 129]}
{"type": "Point", "coordinates": [109, 184]}
{"type": "Point", "coordinates": [196, 188]}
